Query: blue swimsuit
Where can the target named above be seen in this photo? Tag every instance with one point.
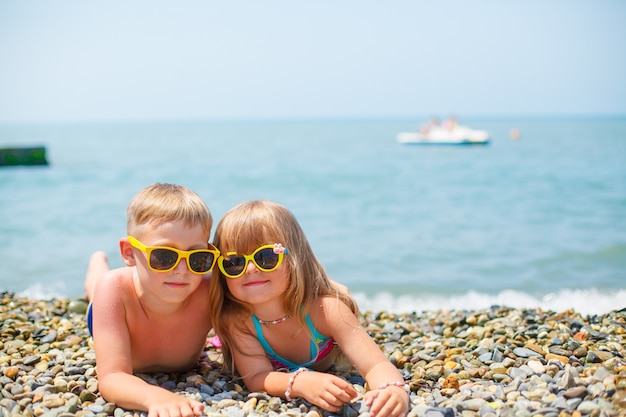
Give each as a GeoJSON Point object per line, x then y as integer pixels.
{"type": "Point", "coordinates": [322, 346]}
{"type": "Point", "coordinates": [90, 320]}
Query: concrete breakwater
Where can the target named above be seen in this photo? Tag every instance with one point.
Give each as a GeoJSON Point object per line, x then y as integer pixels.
{"type": "Point", "coordinates": [485, 363]}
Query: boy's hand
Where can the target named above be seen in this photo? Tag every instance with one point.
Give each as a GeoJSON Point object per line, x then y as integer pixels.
{"type": "Point", "coordinates": [391, 401]}
{"type": "Point", "coordinates": [181, 407]}
{"type": "Point", "coordinates": [324, 390]}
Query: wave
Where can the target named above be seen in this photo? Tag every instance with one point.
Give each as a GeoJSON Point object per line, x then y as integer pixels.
{"type": "Point", "coordinates": [586, 302]}
{"type": "Point", "coordinates": [44, 292]}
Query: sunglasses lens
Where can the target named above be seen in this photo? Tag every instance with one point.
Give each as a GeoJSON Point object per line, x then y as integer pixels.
{"type": "Point", "coordinates": [162, 259]}
{"type": "Point", "coordinates": [201, 261]}
{"type": "Point", "coordinates": [234, 265]}
{"type": "Point", "coordinates": [266, 258]}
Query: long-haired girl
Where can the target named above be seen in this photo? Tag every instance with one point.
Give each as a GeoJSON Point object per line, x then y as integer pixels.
{"type": "Point", "coordinates": [282, 321]}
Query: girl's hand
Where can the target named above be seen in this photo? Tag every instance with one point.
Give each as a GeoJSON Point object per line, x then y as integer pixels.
{"type": "Point", "coordinates": [324, 390]}
{"type": "Point", "coordinates": [181, 407]}
{"type": "Point", "coordinates": [391, 401]}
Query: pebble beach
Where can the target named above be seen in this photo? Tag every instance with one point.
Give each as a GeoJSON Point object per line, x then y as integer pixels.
{"type": "Point", "coordinates": [485, 363]}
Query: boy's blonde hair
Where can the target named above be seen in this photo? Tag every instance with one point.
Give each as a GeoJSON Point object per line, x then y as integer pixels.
{"type": "Point", "coordinates": [163, 203]}
{"type": "Point", "coordinates": [243, 229]}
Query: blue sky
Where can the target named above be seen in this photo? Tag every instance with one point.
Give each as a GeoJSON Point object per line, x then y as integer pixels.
{"type": "Point", "coordinates": [152, 60]}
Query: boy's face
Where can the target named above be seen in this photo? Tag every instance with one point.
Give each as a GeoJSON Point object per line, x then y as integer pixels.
{"type": "Point", "coordinates": [172, 286]}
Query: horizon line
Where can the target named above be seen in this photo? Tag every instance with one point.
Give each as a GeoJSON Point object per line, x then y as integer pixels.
{"type": "Point", "coordinates": [304, 119]}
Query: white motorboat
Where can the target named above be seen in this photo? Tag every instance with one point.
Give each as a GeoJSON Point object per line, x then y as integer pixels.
{"type": "Point", "coordinates": [438, 135]}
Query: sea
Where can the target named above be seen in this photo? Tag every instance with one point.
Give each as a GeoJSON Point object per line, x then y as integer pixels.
{"type": "Point", "coordinates": [533, 222]}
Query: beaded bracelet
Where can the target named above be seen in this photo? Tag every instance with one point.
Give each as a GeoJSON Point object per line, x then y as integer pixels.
{"type": "Point", "coordinates": [290, 383]}
{"type": "Point", "coordinates": [395, 384]}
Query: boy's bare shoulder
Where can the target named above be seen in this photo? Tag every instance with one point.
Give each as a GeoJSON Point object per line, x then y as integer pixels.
{"type": "Point", "coordinates": [117, 281]}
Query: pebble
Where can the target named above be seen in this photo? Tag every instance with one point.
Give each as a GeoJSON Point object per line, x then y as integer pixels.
{"type": "Point", "coordinates": [495, 362]}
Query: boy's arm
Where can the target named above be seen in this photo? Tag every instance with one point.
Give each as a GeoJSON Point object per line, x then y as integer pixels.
{"type": "Point", "coordinates": [324, 390]}
{"type": "Point", "coordinates": [116, 381]}
{"type": "Point", "coordinates": [387, 396]}
{"type": "Point", "coordinates": [130, 392]}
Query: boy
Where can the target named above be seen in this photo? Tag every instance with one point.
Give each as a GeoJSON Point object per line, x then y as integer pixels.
{"type": "Point", "coordinates": [153, 314]}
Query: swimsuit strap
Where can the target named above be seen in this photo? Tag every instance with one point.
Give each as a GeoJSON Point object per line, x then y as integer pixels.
{"type": "Point", "coordinates": [261, 338]}
{"type": "Point", "coordinates": [323, 345]}
{"type": "Point", "coordinates": [320, 344]}
{"type": "Point", "coordinates": [317, 335]}
{"type": "Point", "coordinates": [276, 359]}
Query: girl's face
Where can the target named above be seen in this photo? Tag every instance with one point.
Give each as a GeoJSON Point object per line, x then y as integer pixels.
{"type": "Point", "coordinates": [257, 287]}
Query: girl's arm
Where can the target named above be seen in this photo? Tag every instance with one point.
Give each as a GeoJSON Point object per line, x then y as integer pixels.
{"type": "Point", "coordinates": [324, 390]}
{"type": "Point", "coordinates": [387, 395]}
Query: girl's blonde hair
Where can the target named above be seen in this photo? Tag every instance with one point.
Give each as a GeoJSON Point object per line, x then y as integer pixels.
{"type": "Point", "coordinates": [163, 203]}
{"type": "Point", "coordinates": [243, 229]}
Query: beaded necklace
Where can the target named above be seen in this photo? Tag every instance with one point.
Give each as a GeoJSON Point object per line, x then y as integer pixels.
{"type": "Point", "coordinates": [277, 321]}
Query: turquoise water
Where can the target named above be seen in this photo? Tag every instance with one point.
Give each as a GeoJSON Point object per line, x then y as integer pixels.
{"type": "Point", "coordinates": [540, 221]}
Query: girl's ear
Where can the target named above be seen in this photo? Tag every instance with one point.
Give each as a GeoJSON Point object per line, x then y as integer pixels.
{"type": "Point", "coordinates": [126, 250]}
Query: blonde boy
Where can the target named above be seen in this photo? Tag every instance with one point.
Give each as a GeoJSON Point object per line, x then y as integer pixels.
{"type": "Point", "coordinates": [153, 314]}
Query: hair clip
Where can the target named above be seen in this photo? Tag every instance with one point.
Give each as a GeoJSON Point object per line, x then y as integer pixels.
{"type": "Point", "coordinates": [278, 248]}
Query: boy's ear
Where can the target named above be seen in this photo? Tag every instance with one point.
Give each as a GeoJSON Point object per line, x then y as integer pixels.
{"type": "Point", "coordinates": [126, 250]}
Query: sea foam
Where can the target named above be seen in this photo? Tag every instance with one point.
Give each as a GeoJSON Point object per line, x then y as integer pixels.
{"type": "Point", "coordinates": [587, 301]}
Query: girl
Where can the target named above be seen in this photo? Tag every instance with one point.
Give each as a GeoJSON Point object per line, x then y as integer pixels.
{"type": "Point", "coordinates": [281, 320]}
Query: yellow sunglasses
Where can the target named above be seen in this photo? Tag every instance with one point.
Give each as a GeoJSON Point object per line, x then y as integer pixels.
{"type": "Point", "coordinates": [164, 259]}
{"type": "Point", "coordinates": [266, 258]}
